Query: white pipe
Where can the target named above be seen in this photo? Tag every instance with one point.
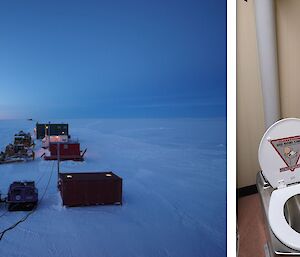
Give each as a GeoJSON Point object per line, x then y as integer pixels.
{"type": "Point", "coordinates": [267, 50]}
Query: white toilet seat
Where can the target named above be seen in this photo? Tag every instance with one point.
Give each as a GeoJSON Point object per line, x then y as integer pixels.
{"type": "Point", "coordinates": [277, 221]}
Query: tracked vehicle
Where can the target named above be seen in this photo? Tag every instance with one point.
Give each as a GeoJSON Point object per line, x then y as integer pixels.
{"type": "Point", "coordinates": [23, 138]}
{"type": "Point", "coordinates": [21, 150]}
{"type": "Point", "coordinates": [22, 196]}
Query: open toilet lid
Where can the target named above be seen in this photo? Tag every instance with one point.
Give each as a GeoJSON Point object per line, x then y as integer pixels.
{"type": "Point", "coordinates": [279, 153]}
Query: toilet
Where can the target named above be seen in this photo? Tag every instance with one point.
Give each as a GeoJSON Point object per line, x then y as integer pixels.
{"type": "Point", "coordinates": [278, 182]}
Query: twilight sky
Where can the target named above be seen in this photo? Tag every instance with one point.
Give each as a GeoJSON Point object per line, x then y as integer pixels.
{"type": "Point", "coordinates": [68, 59]}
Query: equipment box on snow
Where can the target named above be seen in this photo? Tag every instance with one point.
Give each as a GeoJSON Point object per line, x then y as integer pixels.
{"type": "Point", "coordinates": [67, 151]}
{"type": "Point", "coordinates": [90, 188]}
{"type": "Point", "coordinates": [51, 129]}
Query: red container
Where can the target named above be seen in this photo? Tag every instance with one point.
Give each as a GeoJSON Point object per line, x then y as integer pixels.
{"type": "Point", "coordinates": [91, 188]}
{"type": "Point", "coordinates": [67, 151]}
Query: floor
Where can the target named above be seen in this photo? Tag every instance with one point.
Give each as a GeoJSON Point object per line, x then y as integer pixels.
{"type": "Point", "coordinates": [251, 227]}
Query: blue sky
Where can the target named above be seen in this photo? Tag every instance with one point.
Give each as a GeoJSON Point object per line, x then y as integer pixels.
{"type": "Point", "coordinates": [112, 59]}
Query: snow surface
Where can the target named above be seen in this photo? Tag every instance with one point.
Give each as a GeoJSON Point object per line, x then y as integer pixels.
{"type": "Point", "coordinates": [174, 192]}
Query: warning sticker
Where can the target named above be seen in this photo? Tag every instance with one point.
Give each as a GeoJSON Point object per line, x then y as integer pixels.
{"type": "Point", "coordinates": [289, 150]}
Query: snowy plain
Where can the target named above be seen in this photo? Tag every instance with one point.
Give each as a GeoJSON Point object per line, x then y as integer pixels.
{"type": "Point", "coordinates": [174, 192]}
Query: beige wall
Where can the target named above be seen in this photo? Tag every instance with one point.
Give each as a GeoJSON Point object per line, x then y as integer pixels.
{"type": "Point", "coordinates": [250, 125]}
{"type": "Point", "coordinates": [288, 38]}
{"type": "Point", "coordinates": [250, 117]}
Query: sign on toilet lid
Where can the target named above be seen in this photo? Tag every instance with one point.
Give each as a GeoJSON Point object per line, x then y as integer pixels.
{"type": "Point", "coordinates": [279, 153]}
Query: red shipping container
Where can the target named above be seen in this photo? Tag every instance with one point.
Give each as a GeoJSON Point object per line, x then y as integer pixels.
{"type": "Point", "coordinates": [67, 151]}
{"type": "Point", "coordinates": [91, 188]}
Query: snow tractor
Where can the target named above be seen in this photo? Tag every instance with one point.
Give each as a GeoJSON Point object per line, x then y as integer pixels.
{"type": "Point", "coordinates": [16, 153]}
{"type": "Point", "coordinates": [23, 138]}
{"type": "Point", "coordinates": [21, 150]}
{"type": "Point", "coordinates": [22, 196]}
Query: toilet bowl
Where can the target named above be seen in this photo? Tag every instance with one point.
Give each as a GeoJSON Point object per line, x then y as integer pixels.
{"type": "Point", "coordinates": [277, 219]}
{"type": "Point", "coordinates": [282, 172]}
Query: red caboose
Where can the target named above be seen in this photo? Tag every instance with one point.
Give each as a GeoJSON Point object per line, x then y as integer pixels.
{"type": "Point", "coordinates": [67, 151]}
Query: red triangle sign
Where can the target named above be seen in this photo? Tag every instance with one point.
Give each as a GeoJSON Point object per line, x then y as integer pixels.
{"type": "Point", "coordinates": [288, 149]}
